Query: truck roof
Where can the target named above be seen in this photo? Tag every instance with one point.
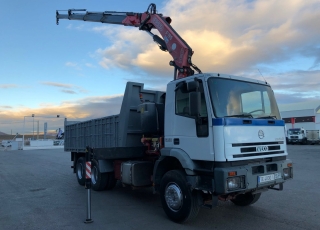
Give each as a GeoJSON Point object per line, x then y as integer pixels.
{"type": "Point", "coordinates": [227, 76]}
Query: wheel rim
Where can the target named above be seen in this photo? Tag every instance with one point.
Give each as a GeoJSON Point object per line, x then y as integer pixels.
{"type": "Point", "coordinates": [79, 171]}
{"type": "Point", "coordinates": [174, 197]}
{"type": "Point", "coordinates": [94, 175]}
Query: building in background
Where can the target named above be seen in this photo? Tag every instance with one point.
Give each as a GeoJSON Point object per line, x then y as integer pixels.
{"type": "Point", "coordinates": [309, 119]}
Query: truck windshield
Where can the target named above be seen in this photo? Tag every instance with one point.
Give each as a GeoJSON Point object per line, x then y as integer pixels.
{"type": "Point", "coordinates": [233, 98]}
{"type": "Point", "coordinates": [294, 131]}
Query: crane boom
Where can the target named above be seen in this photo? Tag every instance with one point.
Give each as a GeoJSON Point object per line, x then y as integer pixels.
{"type": "Point", "coordinates": [170, 41]}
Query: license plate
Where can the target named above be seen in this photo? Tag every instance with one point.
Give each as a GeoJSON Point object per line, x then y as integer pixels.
{"type": "Point", "coordinates": [277, 176]}
{"type": "Point", "coordinates": [268, 178]}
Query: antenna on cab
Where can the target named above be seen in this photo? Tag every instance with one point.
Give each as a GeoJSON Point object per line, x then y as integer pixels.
{"type": "Point", "coordinates": [262, 76]}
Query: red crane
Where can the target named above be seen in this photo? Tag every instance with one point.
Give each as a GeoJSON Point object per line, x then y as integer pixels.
{"type": "Point", "coordinates": [180, 51]}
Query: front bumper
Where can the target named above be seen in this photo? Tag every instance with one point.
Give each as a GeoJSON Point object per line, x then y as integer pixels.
{"type": "Point", "coordinates": [251, 177]}
{"type": "Point", "coordinates": [294, 140]}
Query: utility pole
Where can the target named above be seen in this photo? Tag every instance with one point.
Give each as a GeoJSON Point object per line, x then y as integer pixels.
{"type": "Point", "coordinates": [33, 127]}
{"type": "Point", "coordinates": [38, 131]}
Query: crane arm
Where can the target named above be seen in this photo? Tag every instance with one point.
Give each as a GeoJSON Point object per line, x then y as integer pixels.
{"type": "Point", "coordinates": [170, 41]}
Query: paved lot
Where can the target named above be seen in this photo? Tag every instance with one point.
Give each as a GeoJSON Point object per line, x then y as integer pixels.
{"type": "Point", "coordinates": [39, 191]}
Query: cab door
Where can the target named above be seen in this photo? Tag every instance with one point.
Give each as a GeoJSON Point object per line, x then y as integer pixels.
{"type": "Point", "coordinates": [187, 134]}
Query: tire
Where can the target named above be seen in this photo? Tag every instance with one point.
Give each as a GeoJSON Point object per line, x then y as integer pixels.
{"type": "Point", "coordinates": [178, 201]}
{"type": "Point", "coordinates": [80, 170]}
{"type": "Point", "coordinates": [246, 199]}
{"type": "Point", "coordinates": [304, 141]}
{"type": "Point", "coordinates": [98, 180]}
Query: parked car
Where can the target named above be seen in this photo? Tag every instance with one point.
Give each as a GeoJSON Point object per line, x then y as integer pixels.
{"type": "Point", "coordinates": [5, 143]}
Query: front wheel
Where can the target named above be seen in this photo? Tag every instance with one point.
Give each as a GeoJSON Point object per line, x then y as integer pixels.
{"type": "Point", "coordinates": [178, 201]}
{"type": "Point", "coordinates": [246, 199]}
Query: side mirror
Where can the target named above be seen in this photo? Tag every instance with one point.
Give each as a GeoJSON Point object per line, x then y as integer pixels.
{"type": "Point", "coordinates": [194, 104]}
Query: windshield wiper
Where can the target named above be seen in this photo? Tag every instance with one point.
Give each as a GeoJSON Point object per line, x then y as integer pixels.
{"type": "Point", "coordinates": [241, 115]}
{"type": "Point", "coordinates": [267, 117]}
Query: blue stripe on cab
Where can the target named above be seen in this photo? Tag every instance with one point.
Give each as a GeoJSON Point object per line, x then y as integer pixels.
{"type": "Point", "coordinates": [246, 122]}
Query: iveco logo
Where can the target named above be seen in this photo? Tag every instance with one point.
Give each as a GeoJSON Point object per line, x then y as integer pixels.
{"type": "Point", "coordinates": [261, 134]}
{"type": "Point", "coordinates": [262, 148]}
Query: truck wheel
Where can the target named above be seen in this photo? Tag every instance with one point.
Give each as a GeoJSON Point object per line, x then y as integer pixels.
{"type": "Point", "coordinates": [98, 180]}
{"type": "Point", "coordinates": [178, 201]}
{"type": "Point", "coordinates": [80, 170]}
{"type": "Point", "coordinates": [246, 199]}
{"type": "Point", "coordinates": [111, 183]}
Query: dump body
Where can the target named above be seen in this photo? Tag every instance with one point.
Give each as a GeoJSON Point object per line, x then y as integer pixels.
{"type": "Point", "coordinates": [313, 136]}
{"type": "Point", "coordinates": [117, 136]}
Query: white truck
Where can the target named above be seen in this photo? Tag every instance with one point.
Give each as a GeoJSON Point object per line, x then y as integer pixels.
{"type": "Point", "coordinates": [208, 137]}
{"type": "Point", "coordinates": [302, 136]}
{"type": "Point", "coordinates": [297, 136]}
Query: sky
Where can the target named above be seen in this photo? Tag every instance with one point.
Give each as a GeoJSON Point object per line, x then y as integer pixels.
{"type": "Point", "coordinates": [78, 70]}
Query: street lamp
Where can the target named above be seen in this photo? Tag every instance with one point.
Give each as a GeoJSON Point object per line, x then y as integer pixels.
{"type": "Point", "coordinates": [33, 127]}
{"type": "Point", "coordinates": [24, 125]}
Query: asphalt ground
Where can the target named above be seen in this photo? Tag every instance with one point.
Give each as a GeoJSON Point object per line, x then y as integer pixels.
{"type": "Point", "coordinates": [39, 191]}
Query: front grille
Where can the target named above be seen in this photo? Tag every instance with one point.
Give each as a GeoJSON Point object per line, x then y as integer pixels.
{"type": "Point", "coordinates": [294, 137]}
{"type": "Point", "coordinates": [257, 143]}
{"type": "Point", "coordinates": [259, 169]}
{"type": "Point", "coordinates": [257, 154]}
{"type": "Point", "coordinates": [254, 149]}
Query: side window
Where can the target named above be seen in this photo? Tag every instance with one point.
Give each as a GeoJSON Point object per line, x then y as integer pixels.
{"type": "Point", "coordinates": [182, 102]}
{"type": "Point", "coordinates": [182, 109]}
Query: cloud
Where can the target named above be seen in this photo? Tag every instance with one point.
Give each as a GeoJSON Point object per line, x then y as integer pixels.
{"type": "Point", "coordinates": [77, 110]}
{"type": "Point", "coordinates": [66, 88]}
{"type": "Point", "coordinates": [6, 106]}
{"type": "Point", "coordinates": [60, 85]}
{"type": "Point", "coordinates": [300, 84]}
{"type": "Point", "coordinates": [68, 91]}
{"type": "Point", "coordinates": [299, 105]}
{"type": "Point", "coordinates": [230, 37]}
{"type": "Point", "coordinates": [90, 65]}
{"type": "Point", "coordinates": [7, 86]}
{"type": "Point", "coordinates": [73, 65]}
{"type": "Point", "coordinates": [78, 27]}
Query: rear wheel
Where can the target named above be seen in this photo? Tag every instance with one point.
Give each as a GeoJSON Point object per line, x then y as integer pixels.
{"type": "Point", "coordinates": [178, 201]}
{"type": "Point", "coordinates": [98, 180]}
{"type": "Point", "coordinates": [80, 170]}
{"type": "Point", "coordinates": [246, 199]}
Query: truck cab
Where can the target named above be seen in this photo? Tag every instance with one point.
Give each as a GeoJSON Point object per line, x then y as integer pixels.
{"type": "Point", "coordinates": [297, 135]}
{"type": "Point", "coordinates": [228, 135]}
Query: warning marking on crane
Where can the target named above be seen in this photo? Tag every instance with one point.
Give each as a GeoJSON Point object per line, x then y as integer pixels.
{"type": "Point", "coordinates": [88, 170]}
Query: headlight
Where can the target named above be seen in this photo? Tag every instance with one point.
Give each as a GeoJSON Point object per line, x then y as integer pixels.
{"type": "Point", "coordinates": [234, 183]}
{"type": "Point", "coordinates": [287, 173]}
